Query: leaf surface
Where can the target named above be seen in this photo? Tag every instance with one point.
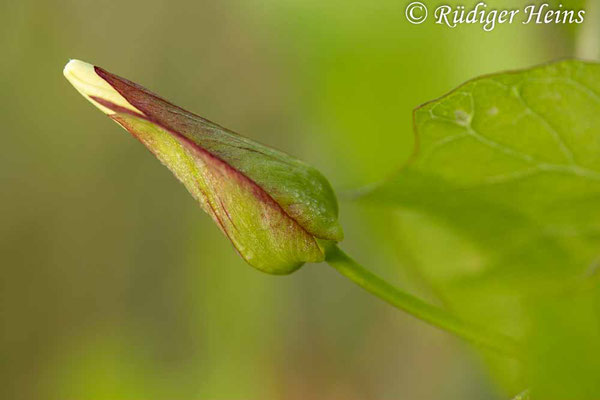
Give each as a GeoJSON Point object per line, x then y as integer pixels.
{"type": "Point", "coordinates": [498, 211]}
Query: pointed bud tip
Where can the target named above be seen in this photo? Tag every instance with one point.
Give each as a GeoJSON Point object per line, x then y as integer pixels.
{"type": "Point", "coordinates": [84, 78]}
{"type": "Point", "coordinates": [73, 66]}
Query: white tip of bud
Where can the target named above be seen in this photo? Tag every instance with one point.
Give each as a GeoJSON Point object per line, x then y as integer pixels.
{"type": "Point", "coordinates": [87, 82]}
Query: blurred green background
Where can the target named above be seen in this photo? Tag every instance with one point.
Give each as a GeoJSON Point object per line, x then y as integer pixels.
{"type": "Point", "coordinates": [115, 285]}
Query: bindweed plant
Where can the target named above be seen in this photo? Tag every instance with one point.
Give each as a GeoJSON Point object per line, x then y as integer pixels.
{"type": "Point", "coordinates": [509, 162]}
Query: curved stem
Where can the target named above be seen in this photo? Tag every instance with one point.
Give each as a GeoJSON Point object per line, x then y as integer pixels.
{"type": "Point", "coordinates": [479, 336]}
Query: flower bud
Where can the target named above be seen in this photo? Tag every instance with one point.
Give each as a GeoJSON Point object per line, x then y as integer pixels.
{"type": "Point", "coordinates": [274, 208]}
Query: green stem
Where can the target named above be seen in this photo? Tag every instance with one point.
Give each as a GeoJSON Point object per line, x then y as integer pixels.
{"type": "Point", "coordinates": [346, 266]}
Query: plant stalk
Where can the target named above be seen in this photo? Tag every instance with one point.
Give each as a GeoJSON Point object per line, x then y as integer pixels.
{"type": "Point", "coordinates": [416, 307]}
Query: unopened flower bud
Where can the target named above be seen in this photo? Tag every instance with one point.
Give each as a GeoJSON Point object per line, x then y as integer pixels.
{"type": "Point", "coordinates": [275, 209]}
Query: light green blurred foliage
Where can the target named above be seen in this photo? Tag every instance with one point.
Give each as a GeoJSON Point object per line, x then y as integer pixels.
{"type": "Point", "coordinates": [115, 284]}
{"type": "Point", "coordinates": [503, 187]}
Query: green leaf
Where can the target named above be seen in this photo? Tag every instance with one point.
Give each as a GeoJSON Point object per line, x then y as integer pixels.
{"type": "Point", "coordinates": [498, 211]}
